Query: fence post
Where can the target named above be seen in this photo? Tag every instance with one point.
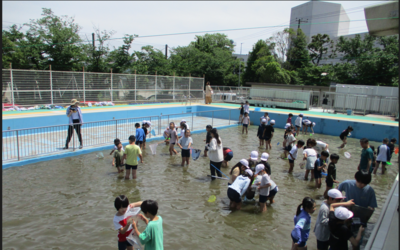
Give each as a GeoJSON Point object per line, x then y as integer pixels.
{"type": "Point", "coordinates": [51, 86]}
{"type": "Point", "coordinates": [18, 147]}
{"type": "Point", "coordinates": [212, 121]}
{"type": "Point", "coordinates": [135, 86]}
{"type": "Point", "coordinates": [12, 85]}
{"type": "Point", "coordinates": [150, 133]}
{"type": "Point", "coordinates": [116, 128]}
{"type": "Point", "coordinates": [159, 124]}
{"type": "Point", "coordinates": [192, 122]}
{"type": "Point", "coordinates": [173, 86]}
{"type": "Point", "coordinates": [84, 92]}
{"type": "Point", "coordinates": [190, 77]}
{"type": "Point", "coordinates": [344, 103]}
{"type": "Point", "coordinates": [155, 87]}
{"type": "Point", "coordinates": [111, 86]}
{"type": "Point", "coordinates": [379, 104]}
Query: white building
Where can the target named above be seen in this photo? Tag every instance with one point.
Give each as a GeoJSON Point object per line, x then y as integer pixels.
{"type": "Point", "coordinates": [318, 17]}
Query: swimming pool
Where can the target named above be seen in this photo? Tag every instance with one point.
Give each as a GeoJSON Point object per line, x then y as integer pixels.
{"type": "Point", "coordinates": [68, 203]}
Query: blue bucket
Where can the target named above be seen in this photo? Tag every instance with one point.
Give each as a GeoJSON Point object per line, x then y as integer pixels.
{"type": "Point", "coordinates": [257, 109]}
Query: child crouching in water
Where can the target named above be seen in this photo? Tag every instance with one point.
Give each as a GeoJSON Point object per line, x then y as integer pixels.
{"type": "Point", "coordinates": [117, 158]}
{"type": "Point", "coordinates": [185, 142]}
{"type": "Point", "coordinates": [152, 237]}
{"type": "Point", "coordinates": [302, 222]}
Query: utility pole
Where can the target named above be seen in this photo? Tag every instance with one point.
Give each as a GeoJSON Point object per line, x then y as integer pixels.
{"type": "Point", "coordinates": [93, 39]}
{"type": "Point", "coordinates": [300, 21]}
{"type": "Point", "coordinates": [240, 61]}
{"type": "Point", "coordinates": [166, 51]}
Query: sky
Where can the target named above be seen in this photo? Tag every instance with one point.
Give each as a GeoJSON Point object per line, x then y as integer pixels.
{"type": "Point", "coordinates": [167, 17]}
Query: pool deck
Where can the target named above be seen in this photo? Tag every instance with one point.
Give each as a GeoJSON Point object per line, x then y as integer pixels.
{"type": "Point", "coordinates": [309, 114]}
{"type": "Point", "coordinates": [385, 235]}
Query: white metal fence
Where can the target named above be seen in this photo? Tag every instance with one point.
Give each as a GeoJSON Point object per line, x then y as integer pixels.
{"type": "Point", "coordinates": [230, 94]}
{"type": "Point", "coordinates": [34, 87]}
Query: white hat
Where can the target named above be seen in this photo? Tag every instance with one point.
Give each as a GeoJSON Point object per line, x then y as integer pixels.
{"type": "Point", "coordinates": [287, 125]}
{"type": "Point", "coordinates": [335, 194]}
{"type": "Point", "coordinates": [301, 114]}
{"type": "Point", "coordinates": [259, 168]}
{"type": "Point", "coordinates": [263, 120]}
{"type": "Point", "coordinates": [254, 155]}
{"type": "Point", "coordinates": [148, 122]}
{"type": "Point", "coordinates": [249, 172]}
{"type": "Point", "coordinates": [244, 162]}
{"type": "Point", "coordinates": [264, 157]}
{"type": "Point", "coordinates": [343, 213]}
{"type": "Point", "coordinates": [272, 122]}
{"type": "Point", "coordinates": [313, 124]}
{"type": "Point", "coordinates": [183, 120]}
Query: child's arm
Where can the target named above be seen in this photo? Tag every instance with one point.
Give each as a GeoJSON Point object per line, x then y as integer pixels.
{"type": "Point", "coordinates": [179, 143]}
{"type": "Point", "coordinates": [272, 135]}
{"type": "Point", "coordinates": [112, 151]}
{"type": "Point", "coordinates": [190, 142]}
{"type": "Point", "coordinates": [265, 186]}
{"type": "Point", "coordinates": [135, 228]}
{"type": "Point", "coordinates": [345, 204]}
{"type": "Point", "coordinates": [135, 204]}
{"type": "Point", "coordinates": [141, 158]}
{"type": "Point", "coordinates": [129, 222]}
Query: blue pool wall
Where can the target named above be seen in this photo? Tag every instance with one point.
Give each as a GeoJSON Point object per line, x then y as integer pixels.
{"type": "Point", "coordinates": [374, 132]}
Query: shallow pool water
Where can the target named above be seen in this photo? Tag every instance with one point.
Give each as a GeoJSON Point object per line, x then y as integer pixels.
{"type": "Point", "coordinates": [69, 203]}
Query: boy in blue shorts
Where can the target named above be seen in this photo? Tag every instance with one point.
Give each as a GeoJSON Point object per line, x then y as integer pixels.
{"type": "Point", "coordinates": [139, 136]}
{"type": "Point", "coordinates": [152, 237]}
{"type": "Point", "coordinates": [319, 166]}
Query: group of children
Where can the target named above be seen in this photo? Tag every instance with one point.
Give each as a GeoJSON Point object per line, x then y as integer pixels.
{"type": "Point", "coordinates": [250, 177]}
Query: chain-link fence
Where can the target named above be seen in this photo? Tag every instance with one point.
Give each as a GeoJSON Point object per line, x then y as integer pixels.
{"type": "Point", "coordinates": [41, 87]}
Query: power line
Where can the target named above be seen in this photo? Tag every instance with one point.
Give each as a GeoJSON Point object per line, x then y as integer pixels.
{"type": "Point", "coordinates": [227, 30]}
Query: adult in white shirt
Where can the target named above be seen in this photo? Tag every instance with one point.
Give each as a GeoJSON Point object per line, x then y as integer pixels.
{"type": "Point", "coordinates": [238, 188]}
{"type": "Point", "coordinates": [246, 107]}
{"type": "Point", "coordinates": [75, 122]}
{"type": "Point", "coordinates": [215, 153]}
{"type": "Point", "coordinates": [209, 93]}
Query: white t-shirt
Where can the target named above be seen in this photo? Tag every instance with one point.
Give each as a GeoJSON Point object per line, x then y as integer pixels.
{"type": "Point", "coordinates": [307, 122]}
{"type": "Point", "coordinates": [265, 179]}
{"type": "Point", "coordinates": [309, 152]}
{"type": "Point", "coordinates": [290, 139]}
{"type": "Point", "coordinates": [246, 120]}
{"type": "Point", "coordinates": [298, 121]}
{"type": "Point", "coordinates": [320, 146]}
{"type": "Point", "coordinates": [273, 184]}
{"type": "Point", "coordinates": [75, 115]}
{"type": "Point", "coordinates": [116, 148]}
{"type": "Point", "coordinates": [383, 153]}
{"type": "Point", "coordinates": [120, 221]}
{"type": "Point", "coordinates": [266, 118]}
{"type": "Point", "coordinates": [246, 108]}
{"type": "Point", "coordinates": [182, 132]}
{"type": "Point", "coordinates": [293, 152]}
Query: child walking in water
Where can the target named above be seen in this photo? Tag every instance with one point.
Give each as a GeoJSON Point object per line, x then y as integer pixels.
{"type": "Point", "coordinates": [208, 139]}
{"type": "Point", "coordinates": [298, 122]}
{"type": "Point", "coordinates": [241, 113]}
{"type": "Point", "coordinates": [344, 134]}
{"type": "Point", "coordinates": [261, 131]}
{"type": "Point", "coordinates": [185, 143]}
{"type": "Point", "coordinates": [116, 142]}
{"type": "Point", "coordinates": [245, 122]}
{"type": "Point", "coordinates": [302, 222]}
{"type": "Point", "coordinates": [310, 155]}
{"type": "Point", "coordinates": [319, 166]}
{"type": "Point", "coordinates": [174, 138]}
{"type": "Point", "coordinates": [289, 119]}
{"type": "Point", "coordinates": [331, 175]}
{"type": "Point", "coordinates": [117, 158]}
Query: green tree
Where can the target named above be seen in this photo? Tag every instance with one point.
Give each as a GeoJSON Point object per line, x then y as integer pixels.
{"type": "Point", "coordinates": [150, 60]}
{"type": "Point", "coordinates": [120, 60]}
{"type": "Point", "coordinates": [60, 42]}
{"type": "Point", "coordinates": [13, 51]}
{"type": "Point", "coordinates": [249, 74]}
{"type": "Point", "coordinates": [298, 55]}
{"type": "Point", "coordinates": [319, 47]}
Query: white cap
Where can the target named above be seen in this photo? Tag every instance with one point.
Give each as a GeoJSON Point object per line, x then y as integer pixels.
{"type": "Point", "coordinates": [244, 162]}
{"type": "Point", "coordinates": [254, 155]}
{"type": "Point", "coordinates": [259, 168]}
{"type": "Point", "coordinates": [264, 157]}
{"type": "Point", "coordinates": [313, 124]}
{"type": "Point", "coordinates": [272, 122]}
{"type": "Point", "coordinates": [148, 122]}
{"type": "Point", "coordinates": [249, 172]}
{"type": "Point", "coordinates": [263, 120]}
{"type": "Point", "coordinates": [287, 125]}
{"type": "Point", "coordinates": [343, 213]}
{"type": "Point", "coordinates": [301, 114]}
{"type": "Point", "coordinates": [183, 120]}
{"type": "Point", "coordinates": [335, 194]}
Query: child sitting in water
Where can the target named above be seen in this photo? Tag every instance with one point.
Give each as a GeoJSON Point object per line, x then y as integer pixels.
{"type": "Point", "coordinates": [122, 223]}
{"type": "Point", "coordinates": [344, 134]}
{"type": "Point", "coordinates": [117, 158]}
{"type": "Point", "coordinates": [319, 166]}
{"type": "Point", "coordinates": [261, 131]}
{"type": "Point", "coordinates": [152, 237]}
{"type": "Point", "coordinates": [185, 143]}
{"type": "Point", "coordinates": [116, 142]}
